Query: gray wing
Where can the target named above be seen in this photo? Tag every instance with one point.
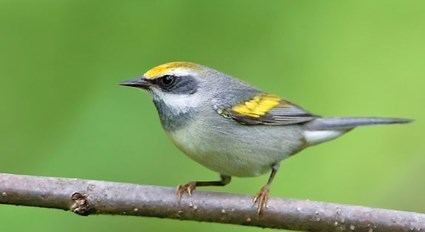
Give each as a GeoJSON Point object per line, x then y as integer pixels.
{"type": "Point", "coordinates": [266, 109]}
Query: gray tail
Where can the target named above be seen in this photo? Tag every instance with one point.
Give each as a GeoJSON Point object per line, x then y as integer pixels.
{"type": "Point", "coordinates": [341, 123]}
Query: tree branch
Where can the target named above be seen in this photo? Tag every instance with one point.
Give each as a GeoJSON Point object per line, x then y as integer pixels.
{"type": "Point", "coordinates": [86, 197]}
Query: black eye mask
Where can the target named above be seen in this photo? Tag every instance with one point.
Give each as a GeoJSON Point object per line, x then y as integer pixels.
{"type": "Point", "coordinates": [177, 84]}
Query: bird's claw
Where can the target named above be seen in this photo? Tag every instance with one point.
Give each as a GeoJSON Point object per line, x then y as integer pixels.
{"type": "Point", "coordinates": [261, 199]}
{"type": "Point", "coordinates": [187, 188]}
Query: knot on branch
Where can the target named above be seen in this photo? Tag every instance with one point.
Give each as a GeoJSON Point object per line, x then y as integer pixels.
{"type": "Point", "coordinates": [81, 204]}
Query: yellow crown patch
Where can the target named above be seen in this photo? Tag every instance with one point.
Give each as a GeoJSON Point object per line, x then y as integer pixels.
{"type": "Point", "coordinates": [258, 106]}
{"type": "Point", "coordinates": [164, 68]}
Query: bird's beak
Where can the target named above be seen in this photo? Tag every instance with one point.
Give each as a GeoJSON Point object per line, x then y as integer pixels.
{"type": "Point", "coordinates": [137, 83]}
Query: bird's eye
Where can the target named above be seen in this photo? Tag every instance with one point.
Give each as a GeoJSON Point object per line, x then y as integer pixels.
{"type": "Point", "coordinates": [167, 81]}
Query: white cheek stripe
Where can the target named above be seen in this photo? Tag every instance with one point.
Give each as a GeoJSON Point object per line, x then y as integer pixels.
{"type": "Point", "coordinates": [179, 103]}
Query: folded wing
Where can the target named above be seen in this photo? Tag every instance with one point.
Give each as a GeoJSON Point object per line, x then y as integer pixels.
{"type": "Point", "coordinates": [267, 109]}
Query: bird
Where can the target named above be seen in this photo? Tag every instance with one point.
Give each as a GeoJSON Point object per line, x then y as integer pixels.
{"type": "Point", "coordinates": [233, 128]}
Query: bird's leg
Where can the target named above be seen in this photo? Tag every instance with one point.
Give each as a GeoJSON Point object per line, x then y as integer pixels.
{"type": "Point", "coordinates": [263, 195]}
{"type": "Point", "coordinates": [190, 186]}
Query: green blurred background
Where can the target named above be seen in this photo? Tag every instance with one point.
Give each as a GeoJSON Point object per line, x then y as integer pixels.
{"type": "Point", "coordinates": [63, 114]}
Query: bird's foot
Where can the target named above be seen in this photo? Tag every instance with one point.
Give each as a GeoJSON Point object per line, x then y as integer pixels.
{"type": "Point", "coordinates": [261, 199]}
{"type": "Point", "coordinates": [187, 188]}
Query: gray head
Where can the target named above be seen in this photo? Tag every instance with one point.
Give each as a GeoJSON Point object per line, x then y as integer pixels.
{"type": "Point", "coordinates": [184, 86]}
{"type": "Point", "coordinates": [180, 89]}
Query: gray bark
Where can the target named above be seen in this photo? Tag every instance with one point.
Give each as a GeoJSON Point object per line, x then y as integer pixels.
{"type": "Point", "coordinates": [86, 197]}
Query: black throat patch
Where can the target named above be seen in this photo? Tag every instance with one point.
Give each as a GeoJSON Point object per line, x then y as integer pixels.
{"type": "Point", "coordinates": [171, 120]}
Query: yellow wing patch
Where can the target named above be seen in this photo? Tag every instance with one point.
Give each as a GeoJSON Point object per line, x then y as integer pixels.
{"type": "Point", "coordinates": [258, 106]}
{"type": "Point", "coordinates": [164, 68]}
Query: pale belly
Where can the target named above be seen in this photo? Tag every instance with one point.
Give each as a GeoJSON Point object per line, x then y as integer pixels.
{"type": "Point", "coordinates": [235, 149]}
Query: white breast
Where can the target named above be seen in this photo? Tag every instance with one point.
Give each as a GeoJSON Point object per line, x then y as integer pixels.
{"type": "Point", "coordinates": [234, 149]}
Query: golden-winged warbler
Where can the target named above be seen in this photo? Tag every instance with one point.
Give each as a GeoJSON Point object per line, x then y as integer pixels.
{"type": "Point", "coordinates": [233, 128]}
